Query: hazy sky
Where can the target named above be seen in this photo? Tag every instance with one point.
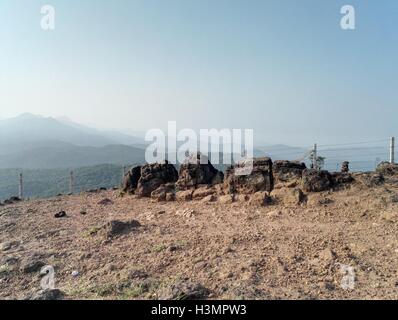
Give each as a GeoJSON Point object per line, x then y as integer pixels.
{"type": "Point", "coordinates": [284, 68]}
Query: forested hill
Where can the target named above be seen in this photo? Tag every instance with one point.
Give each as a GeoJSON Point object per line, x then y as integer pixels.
{"type": "Point", "coordinates": [41, 183]}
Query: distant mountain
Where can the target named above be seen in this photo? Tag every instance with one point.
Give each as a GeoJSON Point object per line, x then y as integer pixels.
{"type": "Point", "coordinates": [27, 128]}
{"type": "Point", "coordinates": [30, 141]}
{"type": "Point", "coordinates": [113, 135]}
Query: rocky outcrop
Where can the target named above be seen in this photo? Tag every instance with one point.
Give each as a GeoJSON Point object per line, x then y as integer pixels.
{"type": "Point", "coordinates": [194, 172]}
{"type": "Point", "coordinates": [131, 179]}
{"type": "Point", "coordinates": [166, 192]}
{"type": "Point", "coordinates": [316, 181]}
{"type": "Point", "coordinates": [289, 196]}
{"type": "Point", "coordinates": [258, 178]}
{"type": "Point", "coordinates": [387, 169]}
{"type": "Point", "coordinates": [153, 176]}
{"type": "Point", "coordinates": [341, 178]}
{"type": "Point", "coordinates": [287, 171]}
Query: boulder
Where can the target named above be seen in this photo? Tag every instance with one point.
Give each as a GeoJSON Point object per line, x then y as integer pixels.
{"type": "Point", "coordinates": [387, 169]}
{"type": "Point", "coordinates": [153, 176]}
{"type": "Point", "coordinates": [197, 170]}
{"type": "Point", "coordinates": [131, 179]}
{"type": "Point", "coordinates": [345, 167]}
{"type": "Point", "coordinates": [47, 294]}
{"type": "Point", "coordinates": [287, 171]}
{"type": "Point", "coordinates": [32, 263]}
{"type": "Point", "coordinates": [259, 178]}
{"type": "Point", "coordinates": [203, 192]}
{"type": "Point", "coordinates": [260, 198]}
{"type": "Point", "coordinates": [316, 180]}
{"type": "Point", "coordinates": [184, 195]}
{"type": "Point", "coordinates": [288, 196]}
{"type": "Point", "coordinates": [340, 178]}
{"type": "Point", "coordinates": [166, 192]}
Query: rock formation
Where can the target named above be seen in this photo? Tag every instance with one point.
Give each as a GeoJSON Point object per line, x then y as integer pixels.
{"type": "Point", "coordinates": [316, 180]}
{"type": "Point", "coordinates": [287, 171]}
{"type": "Point", "coordinates": [194, 172]}
{"type": "Point", "coordinates": [131, 179]}
{"type": "Point", "coordinates": [155, 175]}
{"type": "Point", "coordinates": [260, 178]}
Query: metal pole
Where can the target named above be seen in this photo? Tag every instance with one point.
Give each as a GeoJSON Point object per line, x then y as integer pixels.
{"type": "Point", "coordinates": [392, 150]}
{"type": "Point", "coordinates": [71, 183]}
{"type": "Point", "coordinates": [20, 186]}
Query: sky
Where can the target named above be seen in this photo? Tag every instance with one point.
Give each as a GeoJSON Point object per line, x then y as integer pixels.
{"type": "Point", "coordinates": [283, 68]}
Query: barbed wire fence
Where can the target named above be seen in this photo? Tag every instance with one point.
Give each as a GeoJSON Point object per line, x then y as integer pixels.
{"type": "Point", "coordinates": [361, 155]}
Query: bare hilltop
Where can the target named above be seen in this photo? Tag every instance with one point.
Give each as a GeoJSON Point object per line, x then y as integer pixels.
{"type": "Point", "coordinates": [282, 232]}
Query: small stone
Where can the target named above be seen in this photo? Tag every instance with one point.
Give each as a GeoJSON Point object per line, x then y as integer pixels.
{"type": "Point", "coordinates": [183, 290]}
{"type": "Point", "coordinates": [61, 214]}
{"type": "Point", "coordinates": [105, 202]}
{"type": "Point", "coordinates": [75, 273]}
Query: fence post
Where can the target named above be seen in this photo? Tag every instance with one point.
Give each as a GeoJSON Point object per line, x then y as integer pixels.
{"type": "Point", "coordinates": [71, 182]}
{"type": "Point", "coordinates": [315, 157]}
{"type": "Point", "coordinates": [123, 173]}
{"type": "Point", "coordinates": [20, 194]}
{"type": "Point", "coordinates": [392, 150]}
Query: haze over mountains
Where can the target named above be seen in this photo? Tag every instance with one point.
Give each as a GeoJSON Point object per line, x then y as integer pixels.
{"type": "Point", "coordinates": [36, 142]}
{"type": "Point", "coordinates": [30, 141]}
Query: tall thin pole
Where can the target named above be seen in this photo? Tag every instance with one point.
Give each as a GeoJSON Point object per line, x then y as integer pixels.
{"type": "Point", "coordinates": [71, 182]}
{"type": "Point", "coordinates": [123, 173]}
{"type": "Point", "coordinates": [392, 150]}
{"type": "Point", "coordinates": [20, 186]}
{"type": "Point", "coordinates": [315, 157]}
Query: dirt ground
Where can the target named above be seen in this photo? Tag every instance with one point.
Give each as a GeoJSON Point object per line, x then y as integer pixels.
{"type": "Point", "coordinates": [338, 245]}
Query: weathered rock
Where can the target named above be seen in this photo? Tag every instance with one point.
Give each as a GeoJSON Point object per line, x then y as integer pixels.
{"type": "Point", "coordinates": [61, 214]}
{"type": "Point", "coordinates": [11, 200]}
{"type": "Point", "coordinates": [370, 179]}
{"type": "Point", "coordinates": [288, 196]}
{"type": "Point", "coordinates": [345, 167]}
{"type": "Point", "coordinates": [226, 199]}
{"type": "Point", "coordinates": [184, 195]}
{"type": "Point", "coordinates": [203, 192]}
{"type": "Point", "coordinates": [260, 198]}
{"type": "Point", "coordinates": [183, 290]}
{"type": "Point", "coordinates": [316, 180]}
{"type": "Point", "coordinates": [47, 294]}
{"type": "Point", "coordinates": [341, 178]}
{"type": "Point", "coordinates": [31, 263]}
{"type": "Point", "coordinates": [197, 170]}
{"type": "Point", "coordinates": [164, 193]}
{"type": "Point", "coordinates": [153, 176]}
{"type": "Point", "coordinates": [209, 198]}
{"type": "Point", "coordinates": [131, 178]}
{"type": "Point", "coordinates": [242, 197]}
{"type": "Point", "coordinates": [387, 169]}
{"type": "Point", "coordinates": [105, 202]}
{"type": "Point", "coordinates": [115, 227]}
{"type": "Point", "coordinates": [260, 178]}
{"type": "Point", "coordinates": [287, 171]}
